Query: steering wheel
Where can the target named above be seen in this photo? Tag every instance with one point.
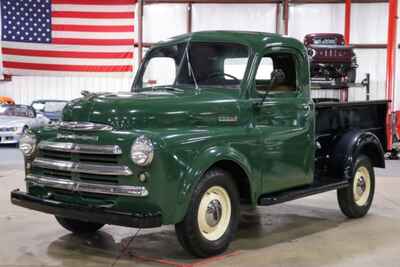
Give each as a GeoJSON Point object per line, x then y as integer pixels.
{"type": "Point", "coordinates": [223, 74]}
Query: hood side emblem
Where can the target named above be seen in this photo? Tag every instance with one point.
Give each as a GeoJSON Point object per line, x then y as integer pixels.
{"type": "Point", "coordinates": [227, 118]}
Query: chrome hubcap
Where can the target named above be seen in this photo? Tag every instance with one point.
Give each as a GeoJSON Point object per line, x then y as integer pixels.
{"type": "Point", "coordinates": [361, 186]}
{"type": "Point", "coordinates": [214, 211]}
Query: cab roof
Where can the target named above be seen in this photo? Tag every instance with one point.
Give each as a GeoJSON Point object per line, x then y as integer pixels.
{"type": "Point", "coordinates": [255, 40]}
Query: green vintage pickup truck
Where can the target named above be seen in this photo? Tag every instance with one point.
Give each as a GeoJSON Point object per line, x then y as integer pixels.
{"type": "Point", "coordinates": [215, 120]}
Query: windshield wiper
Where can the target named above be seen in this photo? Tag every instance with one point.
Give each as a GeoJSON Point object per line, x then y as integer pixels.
{"type": "Point", "coordinates": [190, 68]}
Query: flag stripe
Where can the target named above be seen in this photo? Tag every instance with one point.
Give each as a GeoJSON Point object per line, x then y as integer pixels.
{"type": "Point", "coordinates": [91, 28]}
{"type": "Point", "coordinates": [28, 72]}
{"type": "Point", "coordinates": [57, 67]}
{"type": "Point", "coordinates": [68, 48]}
{"type": "Point", "coordinates": [95, 22]}
{"type": "Point", "coordinates": [72, 41]}
{"type": "Point", "coordinates": [93, 35]}
{"type": "Point", "coordinates": [68, 61]}
{"type": "Point", "coordinates": [92, 8]}
{"type": "Point", "coordinates": [93, 15]}
{"type": "Point", "coordinates": [62, 54]}
{"type": "Point", "coordinates": [95, 2]}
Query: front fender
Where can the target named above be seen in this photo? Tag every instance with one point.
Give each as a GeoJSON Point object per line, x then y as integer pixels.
{"type": "Point", "coordinates": [201, 164]}
{"type": "Point", "coordinates": [352, 144]}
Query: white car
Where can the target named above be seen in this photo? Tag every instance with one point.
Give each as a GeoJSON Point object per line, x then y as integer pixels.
{"type": "Point", "coordinates": [16, 119]}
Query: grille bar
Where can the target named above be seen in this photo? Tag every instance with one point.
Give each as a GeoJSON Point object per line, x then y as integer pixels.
{"type": "Point", "coordinates": [79, 167]}
{"type": "Point", "coordinates": [81, 148]}
{"type": "Point", "coordinates": [136, 191]}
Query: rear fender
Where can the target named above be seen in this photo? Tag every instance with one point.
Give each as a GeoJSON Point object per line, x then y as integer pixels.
{"type": "Point", "coordinates": [352, 144]}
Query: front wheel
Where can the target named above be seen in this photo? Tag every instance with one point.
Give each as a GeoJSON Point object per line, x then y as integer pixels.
{"type": "Point", "coordinates": [78, 227]}
{"type": "Point", "coordinates": [212, 218]}
{"type": "Point", "coordinates": [356, 199]}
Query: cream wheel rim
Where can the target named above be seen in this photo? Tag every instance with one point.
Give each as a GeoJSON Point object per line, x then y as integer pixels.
{"type": "Point", "coordinates": [361, 186]}
{"type": "Point", "coordinates": [214, 213]}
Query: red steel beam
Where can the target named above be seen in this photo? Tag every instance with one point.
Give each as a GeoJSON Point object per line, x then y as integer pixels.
{"type": "Point", "coordinates": [390, 69]}
{"type": "Point", "coordinates": [286, 15]}
{"type": "Point", "coordinates": [278, 18]}
{"type": "Point", "coordinates": [347, 21]}
{"type": "Point", "coordinates": [189, 17]}
{"type": "Point", "coordinates": [140, 30]}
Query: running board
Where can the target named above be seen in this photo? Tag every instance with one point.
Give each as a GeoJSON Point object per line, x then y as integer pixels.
{"type": "Point", "coordinates": [280, 197]}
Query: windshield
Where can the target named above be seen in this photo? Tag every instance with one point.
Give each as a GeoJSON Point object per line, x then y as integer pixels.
{"type": "Point", "coordinates": [49, 106]}
{"type": "Point", "coordinates": [193, 65]}
{"type": "Point", "coordinates": [18, 111]}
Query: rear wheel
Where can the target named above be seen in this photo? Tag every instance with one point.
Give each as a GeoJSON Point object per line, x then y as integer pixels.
{"type": "Point", "coordinates": [212, 218]}
{"type": "Point", "coordinates": [78, 227]}
{"type": "Point", "coordinates": [356, 199]}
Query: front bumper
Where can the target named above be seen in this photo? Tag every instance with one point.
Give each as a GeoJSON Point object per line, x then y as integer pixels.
{"type": "Point", "coordinates": [9, 138]}
{"type": "Point", "coordinates": [86, 213]}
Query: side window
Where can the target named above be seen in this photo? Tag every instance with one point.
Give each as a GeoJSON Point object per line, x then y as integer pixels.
{"type": "Point", "coordinates": [276, 73]}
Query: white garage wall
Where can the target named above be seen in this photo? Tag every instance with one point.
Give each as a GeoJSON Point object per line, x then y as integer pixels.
{"type": "Point", "coordinates": [369, 23]}
{"type": "Point", "coordinates": [161, 21]}
{"type": "Point", "coordinates": [26, 89]}
{"type": "Point", "coordinates": [315, 18]}
{"type": "Point", "coordinates": [239, 17]}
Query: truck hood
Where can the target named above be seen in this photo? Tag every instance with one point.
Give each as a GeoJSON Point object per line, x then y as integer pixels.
{"type": "Point", "coordinates": [157, 109]}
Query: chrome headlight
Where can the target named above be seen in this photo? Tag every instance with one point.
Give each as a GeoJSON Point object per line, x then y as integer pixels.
{"type": "Point", "coordinates": [27, 144]}
{"type": "Point", "coordinates": [142, 151]}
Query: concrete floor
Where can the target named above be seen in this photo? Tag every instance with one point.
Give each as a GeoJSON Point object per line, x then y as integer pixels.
{"type": "Point", "coordinates": [308, 232]}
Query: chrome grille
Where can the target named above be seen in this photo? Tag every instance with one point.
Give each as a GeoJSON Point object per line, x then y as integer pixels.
{"type": "Point", "coordinates": [89, 163]}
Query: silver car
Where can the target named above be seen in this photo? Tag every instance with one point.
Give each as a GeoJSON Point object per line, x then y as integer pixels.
{"type": "Point", "coordinates": [16, 119]}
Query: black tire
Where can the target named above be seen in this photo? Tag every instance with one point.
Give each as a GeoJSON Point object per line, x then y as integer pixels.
{"type": "Point", "coordinates": [188, 231]}
{"type": "Point", "coordinates": [78, 227]}
{"type": "Point", "coordinates": [346, 196]}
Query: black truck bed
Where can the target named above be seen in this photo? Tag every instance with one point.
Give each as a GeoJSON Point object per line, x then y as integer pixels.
{"type": "Point", "coordinates": [334, 119]}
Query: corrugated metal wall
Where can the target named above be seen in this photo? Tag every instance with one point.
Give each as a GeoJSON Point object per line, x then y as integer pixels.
{"type": "Point", "coordinates": [369, 25]}
{"type": "Point", "coordinates": [26, 89]}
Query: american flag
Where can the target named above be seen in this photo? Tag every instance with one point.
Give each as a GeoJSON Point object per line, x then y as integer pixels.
{"type": "Point", "coordinates": [68, 37]}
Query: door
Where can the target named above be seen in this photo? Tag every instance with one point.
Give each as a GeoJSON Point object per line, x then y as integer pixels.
{"type": "Point", "coordinates": [284, 120]}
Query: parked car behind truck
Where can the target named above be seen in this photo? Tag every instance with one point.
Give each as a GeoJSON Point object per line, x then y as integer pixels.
{"type": "Point", "coordinates": [227, 119]}
{"type": "Point", "coordinates": [15, 120]}
{"type": "Point", "coordinates": [51, 109]}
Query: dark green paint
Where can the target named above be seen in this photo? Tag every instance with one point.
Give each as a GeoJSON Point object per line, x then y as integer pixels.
{"type": "Point", "coordinates": [271, 141]}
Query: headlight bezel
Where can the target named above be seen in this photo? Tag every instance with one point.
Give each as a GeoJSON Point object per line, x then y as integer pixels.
{"type": "Point", "coordinates": [142, 151]}
{"type": "Point", "coordinates": [28, 144]}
